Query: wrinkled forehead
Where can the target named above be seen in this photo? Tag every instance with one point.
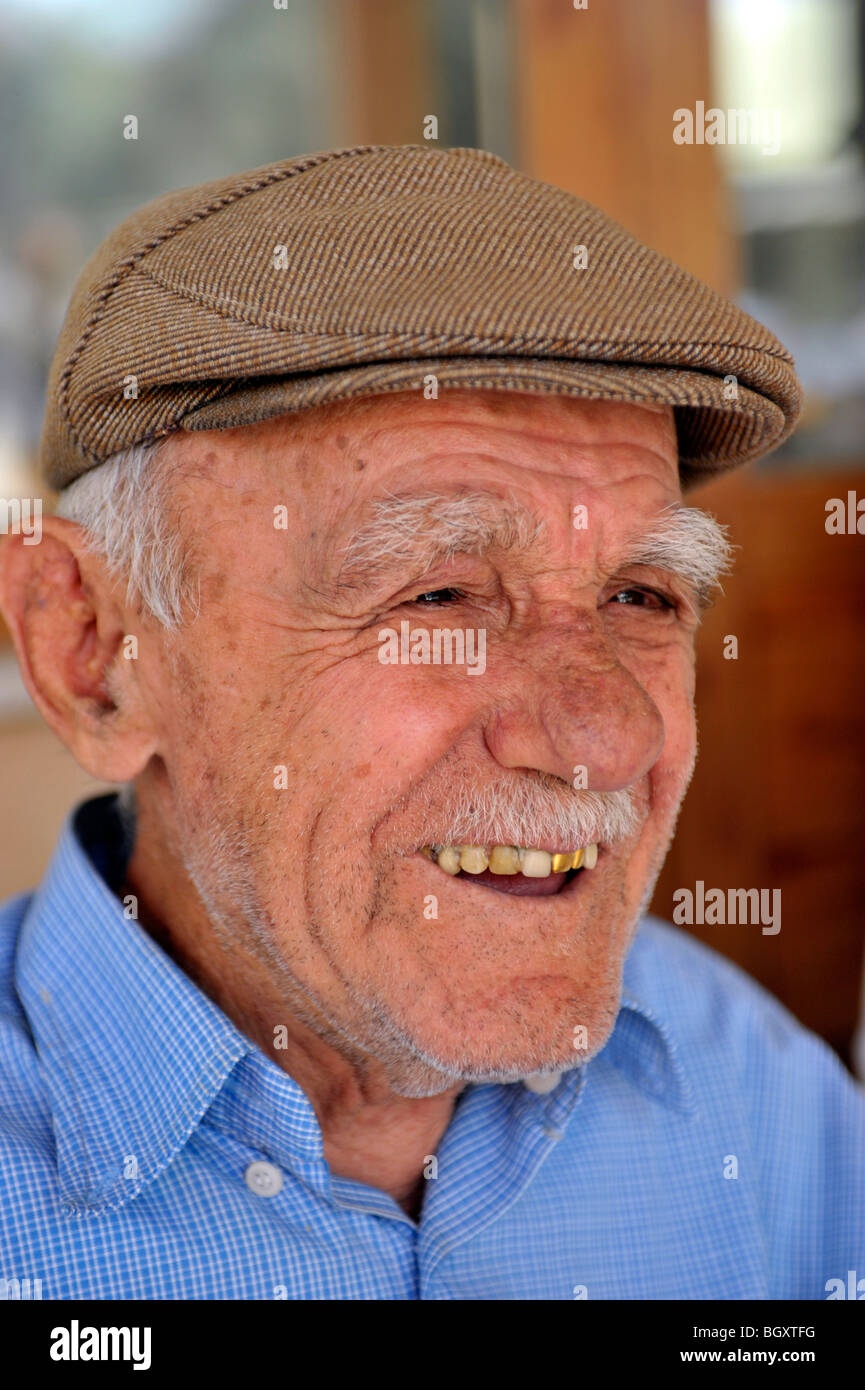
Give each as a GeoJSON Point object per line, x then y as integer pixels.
{"type": "Point", "coordinates": [369, 489]}
{"type": "Point", "coordinates": [332, 451]}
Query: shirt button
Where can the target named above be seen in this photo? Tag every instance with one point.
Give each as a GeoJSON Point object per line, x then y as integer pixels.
{"type": "Point", "coordinates": [265, 1179]}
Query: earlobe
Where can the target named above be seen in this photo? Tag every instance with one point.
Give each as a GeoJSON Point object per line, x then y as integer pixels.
{"type": "Point", "coordinates": [67, 627]}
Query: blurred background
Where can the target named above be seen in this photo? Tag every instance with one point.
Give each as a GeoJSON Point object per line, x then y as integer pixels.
{"type": "Point", "coordinates": [583, 98]}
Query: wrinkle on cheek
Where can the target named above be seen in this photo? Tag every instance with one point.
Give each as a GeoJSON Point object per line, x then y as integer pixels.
{"type": "Point", "coordinates": [669, 667]}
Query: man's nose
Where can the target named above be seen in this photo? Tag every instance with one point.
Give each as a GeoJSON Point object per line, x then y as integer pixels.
{"type": "Point", "coordinates": [569, 703]}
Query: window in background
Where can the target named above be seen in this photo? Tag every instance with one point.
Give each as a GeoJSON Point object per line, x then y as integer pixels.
{"type": "Point", "coordinates": [802, 209]}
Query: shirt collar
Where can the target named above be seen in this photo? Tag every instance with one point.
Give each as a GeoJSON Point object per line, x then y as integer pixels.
{"type": "Point", "coordinates": [133, 1053]}
{"type": "Point", "coordinates": [643, 1045]}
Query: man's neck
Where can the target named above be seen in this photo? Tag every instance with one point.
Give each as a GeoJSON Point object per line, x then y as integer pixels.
{"type": "Point", "coordinates": [369, 1132]}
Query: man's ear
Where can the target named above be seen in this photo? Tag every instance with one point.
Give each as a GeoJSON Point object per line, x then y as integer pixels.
{"type": "Point", "coordinates": [69, 625]}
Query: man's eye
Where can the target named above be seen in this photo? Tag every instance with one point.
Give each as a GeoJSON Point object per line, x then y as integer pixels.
{"type": "Point", "coordinates": [436, 596]}
{"type": "Point", "coordinates": [642, 598]}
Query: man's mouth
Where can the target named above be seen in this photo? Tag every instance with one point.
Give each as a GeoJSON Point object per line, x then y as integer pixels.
{"type": "Point", "coordinates": [515, 869]}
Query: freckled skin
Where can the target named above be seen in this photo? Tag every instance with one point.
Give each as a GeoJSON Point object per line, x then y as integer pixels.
{"type": "Point", "coordinates": [321, 927]}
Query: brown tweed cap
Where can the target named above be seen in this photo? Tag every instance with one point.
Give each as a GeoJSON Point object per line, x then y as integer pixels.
{"type": "Point", "coordinates": [358, 272]}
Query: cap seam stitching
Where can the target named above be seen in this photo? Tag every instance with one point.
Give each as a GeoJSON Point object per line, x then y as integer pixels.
{"type": "Point", "coordinates": [752, 414]}
{"type": "Point", "coordinates": [742, 411]}
{"type": "Point", "coordinates": [131, 261]}
{"type": "Point", "coordinates": [193, 298]}
{"type": "Point", "coordinates": [699, 461]}
{"type": "Point", "coordinates": [190, 297]}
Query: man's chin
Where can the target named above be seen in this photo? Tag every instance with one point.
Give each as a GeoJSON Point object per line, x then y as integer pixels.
{"type": "Point", "coordinates": [429, 1071]}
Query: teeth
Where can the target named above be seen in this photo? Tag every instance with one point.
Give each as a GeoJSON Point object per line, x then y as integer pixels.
{"type": "Point", "coordinates": [535, 863]}
{"type": "Point", "coordinates": [504, 859]}
{"type": "Point", "coordinates": [509, 859]}
{"type": "Point", "coordinates": [449, 860]}
{"type": "Point", "coordinates": [474, 859]}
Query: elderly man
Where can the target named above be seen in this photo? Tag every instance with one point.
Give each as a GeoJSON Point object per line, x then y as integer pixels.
{"type": "Point", "coordinates": [372, 584]}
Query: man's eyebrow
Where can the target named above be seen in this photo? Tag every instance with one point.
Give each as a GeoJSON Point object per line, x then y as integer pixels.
{"type": "Point", "coordinates": [417, 530]}
{"type": "Point", "coordinates": [688, 542]}
{"type": "Point", "coordinates": [421, 529]}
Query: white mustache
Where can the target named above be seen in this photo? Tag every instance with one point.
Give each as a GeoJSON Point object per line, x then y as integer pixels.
{"type": "Point", "coordinates": [532, 812]}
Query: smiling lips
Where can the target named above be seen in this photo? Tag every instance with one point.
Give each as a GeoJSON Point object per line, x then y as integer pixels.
{"type": "Point", "coordinates": [513, 868]}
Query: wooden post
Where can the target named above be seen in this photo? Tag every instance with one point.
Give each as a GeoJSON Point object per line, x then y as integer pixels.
{"type": "Point", "coordinates": [383, 55]}
{"type": "Point", "coordinates": [597, 89]}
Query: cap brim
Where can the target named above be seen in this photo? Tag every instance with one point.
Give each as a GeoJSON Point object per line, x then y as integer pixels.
{"type": "Point", "coordinates": [720, 424]}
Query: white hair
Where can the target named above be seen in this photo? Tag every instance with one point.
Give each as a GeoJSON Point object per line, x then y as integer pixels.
{"type": "Point", "coordinates": [414, 531]}
{"type": "Point", "coordinates": [127, 509]}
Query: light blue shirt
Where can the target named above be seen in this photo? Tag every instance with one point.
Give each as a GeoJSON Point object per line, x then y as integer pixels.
{"type": "Point", "coordinates": [149, 1150]}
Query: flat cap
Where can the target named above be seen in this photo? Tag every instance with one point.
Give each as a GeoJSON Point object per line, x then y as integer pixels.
{"type": "Point", "coordinates": [363, 271]}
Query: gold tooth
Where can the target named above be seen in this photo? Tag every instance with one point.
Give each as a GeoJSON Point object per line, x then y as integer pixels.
{"type": "Point", "coordinates": [504, 859]}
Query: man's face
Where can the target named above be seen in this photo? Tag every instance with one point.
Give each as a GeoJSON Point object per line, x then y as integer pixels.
{"type": "Point", "coordinates": [302, 776]}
